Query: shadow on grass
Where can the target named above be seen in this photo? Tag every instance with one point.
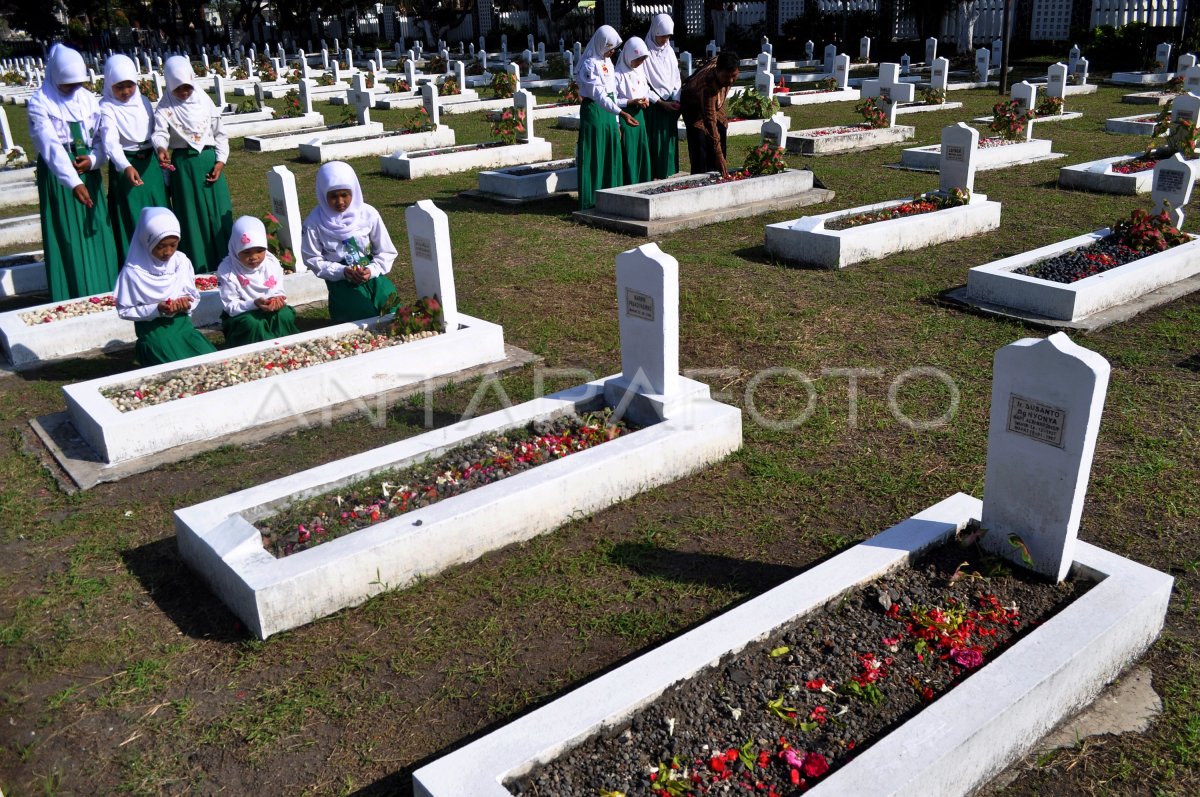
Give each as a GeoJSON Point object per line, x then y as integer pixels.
{"type": "Point", "coordinates": [649, 560]}
{"type": "Point", "coordinates": [1191, 363]}
{"type": "Point", "coordinates": [180, 594]}
{"type": "Point", "coordinates": [82, 368]}
{"type": "Point", "coordinates": [759, 254]}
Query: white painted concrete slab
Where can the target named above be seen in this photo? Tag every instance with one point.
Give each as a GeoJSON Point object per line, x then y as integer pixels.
{"type": "Point", "coordinates": [807, 242]}
{"type": "Point", "coordinates": [412, 165]}
{"type": "Point", "coordinates": [270, 595]}
{"type": "Point", "coordinates": [21, 230]}
{"type": "Point", "coordinates": [117, 436]}
{"type": "Point", "coordinates": [277, 142]}
{"type": "Point", "coordinates": [951, 747]}
{"type": "Point", "coordinates": [806, 142]}
{"type": "Point", "coordinates": [377, 144]}
{"type": "Point", "coordinates": [553, 177]}
{"type": "Point", "coordinates": [928, 158]}
{"type": "Point", "coordinates": [995, 283]}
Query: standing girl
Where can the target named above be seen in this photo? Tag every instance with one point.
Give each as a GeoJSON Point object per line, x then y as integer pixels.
{"type": "Point", "coordinates": [633, 95]}
{"type": "Point", "coordinates": [598, 156]}
{"type": "Point", "coordinates": [251, 283]}
{"type": "Point", "coordinates": [346, 244]}
{"type": "Point", "coordinates": [64, 120]}
{"type": "Point", "coordinates": [192, 145]}
{"type": "Point", "coordinates": [135, 179]}
{"type": "Point", "coordinates": [662, 117]}
{"type": "Point", "coordinates": [156, 290]}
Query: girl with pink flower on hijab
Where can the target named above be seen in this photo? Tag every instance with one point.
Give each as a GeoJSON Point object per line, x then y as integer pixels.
{"type": "Point", "coordinates": [250, 280]}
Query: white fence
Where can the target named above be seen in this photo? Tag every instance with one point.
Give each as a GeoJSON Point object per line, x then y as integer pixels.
{"type": "Point", "coordinates": [1155, 13]}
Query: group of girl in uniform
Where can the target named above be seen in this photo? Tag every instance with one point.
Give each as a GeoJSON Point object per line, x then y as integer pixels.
{"type": "Point", "coordinates": [630, 112]}
{"type": "Point", "coordinates": [344, 243]}
{"type": "Point", "coordinates": [164, 231]}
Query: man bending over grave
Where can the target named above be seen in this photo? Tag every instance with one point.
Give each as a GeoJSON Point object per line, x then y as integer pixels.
{"type": "Point", "coordinates": [702, 104]}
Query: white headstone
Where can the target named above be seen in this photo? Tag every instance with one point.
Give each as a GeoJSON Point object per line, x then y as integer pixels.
{"type": "Point", "coordinates": [515, 71]}
{"type": "Point", "coordinates": [905, 62]}
{"type": "Point", "coordinates": [204, 59]}
{"type": "Point", "coordinates": [483, 60]}
{"type": "Point", "coordinates": [830, 53]}
{"type": "Point", "coordinates": [888, 90]}
{"type": "Point", "coordinates": [305, 96]}
{"type": "Point", "coordinates": [570, 56]}
{"type": "Point", "coordinates": [1026, 95]}
{"type": "Point", "coordinates": [225, 65]}
{"type": "Point", "coordinates": [939, 74]}
{"type": "Point", "coordinates": [648, 309]}
{"type": "Point", "coordinates": [1081, 71]}
{"type": "Point", "coordinates": [429, 101]}
{"type": "Point", "coordinates": [841, 71]}
{"type": "Point", "coordinates": [541, 52]}
{"type": "Point", "coordinates": [685, 64]}
{"type": "Point", "coordinates": [472, 50]}
{"type": "Point", "coordinates": [983, 61]}
{"type": "Point", "coordinates": [764, 84]}
{"type": "Point", "coordinates": [259, 96]}
{"type": "Point", "coordinates": [527, 59]}
{"type": "Point", "coordinates": [1047, 398]}
{"type": "Point", "coordinates": [529, 41]}
{"type": "Point", "coordinates": [1162, 54]}
{"type": "Point", "coordinates": [410, 72]}
{"type": "Point", "coordinates": [6, 139]}
{"type": "Point", "coordinates": [930, 50]}
{"type": "Point", "coordinates": [577, 48]}
{"type": "Point", "coordinates": [1056, 80]}
{"type": "Point", "coordinates": [150, 65]}
{"type": "Point", "coordinates": [1173, 178]}
{"type": "Point", "coordinates": [1186, 62]}
{"type": "Point", "coordinates": [775, 130]}
{"type": "Point", "coordinates": [157, 80]}
{"type": "Point", "coordinates": [325, 59]}
{"type": "Point", "coordinates": [710, 50]}
{"type": "Point", "coordinates": [459, 70]}
{"type": "Point", "coordinates": [482, 44]}
{"type": "Point", "coordinates": [1191, 80]}
{"type": "Point", "coordinates": [362, 98]}
{"type": "Point", "coordinates": [379, 58]}
{"type": "Point", "coordinates": [219, 91]}
{"type": "Point", "coordinates": [809, 48]}
{"type": "Point", "coordinates": [248, 65]}
{"type": "Point", "coordinates": [957, 170]}
{"type": "Point", "coordinates": [997, 52]}
{"type": "Point", "coordinates": [763, 62]}
{"type": "Point", "coordinates": [1073, 58]}
{"type": "Point", "coordinates": [864, 48]}
{"type": "Point", "coordinates": [432, 261]}
{"type": "Point", "coordinates": [285, 205]}
{"type": "Point", "coordinates": [523, 100]}
{"type": "Point", "coordinates": [303, 64]}
{"type": "Point", "coordinates": [1186, 107]}
{"type": "Point", "coordinates": [504, 43]}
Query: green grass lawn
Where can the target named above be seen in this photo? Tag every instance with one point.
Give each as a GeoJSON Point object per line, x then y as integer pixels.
{"type": "Point", "coordinates": [122, 674]}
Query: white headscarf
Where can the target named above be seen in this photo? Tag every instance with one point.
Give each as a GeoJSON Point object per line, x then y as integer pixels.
{"type": "Point", "coordinates": [66, 67]}
{"type": "Point", "coordinates": [133, 117]}
{"type": "Point", "coordinates": [631, 81]}
{"type": "Point", "coordinates": [250, 283]}
{"type": "Point", "coordinates": [662, 67]}
{"type": "Point", "coordinates": [144, 279]}
{"type": "Point", "coordinates": [193, 118]}
{"type": "Point", "coordinates": [337, 227]}
{"type": "Point", "coordinates": [604, 39]}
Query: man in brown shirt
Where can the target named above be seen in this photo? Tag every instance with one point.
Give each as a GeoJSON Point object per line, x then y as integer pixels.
{"type": "Point", "coordinates": [702, 105]}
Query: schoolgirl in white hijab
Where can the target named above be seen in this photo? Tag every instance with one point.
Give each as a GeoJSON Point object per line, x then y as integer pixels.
{"type": "Point", "coordinates": [148, 284]}
{"type": "Point", "coordinates": [126, 123]}
{"type": "Point", "coordinates": [157, 291]}
{"type": "Point", "coordinates": [631, 79]}
{"type": "Point", "coordinates": [346, 244]}
{"type": "Point", "coordinates": [662, 67]}
{"type": "Point", "coordinates": [662, 117]}
{"type": "Point", "coordinates": [634, 96]}
{"type": "Point", "coordinates": [250, 280]}
{"type": "Point", "coordinates": [598, 153]}
{"type": "Point", "coordinates": [64, 121]}
{"type": "Point", "coordinates": [192, 145]}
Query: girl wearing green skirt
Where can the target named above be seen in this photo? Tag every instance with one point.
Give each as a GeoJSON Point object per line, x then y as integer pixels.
{"type": "Point", "coordinates": [193, 147]}
{"type": "Point", "coordinates": [598, 153]}
{"type": "Point", "coordinates": [156, 290]}
{"type": "Point", "coordinates": [346, 244]}
{"type": "Point", "coordinates": [633, 95]}
{"type": "Point", "coordinates": [662, 117]}
{"type": "Point", "coordinates": [251, 286]}
{"type": "Point", "coordinates": [135, 180]}
{"type": "Point", "coordinates": [64, 120]}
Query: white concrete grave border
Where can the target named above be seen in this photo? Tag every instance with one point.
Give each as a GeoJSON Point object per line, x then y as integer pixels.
{"type": "Point", "coordinates": [995, 285]}
{"type": "Point", "coordinates": [927, 158]}
{"type": "Point", "coordinates": [22, 273]}
{"type": "Point", "coordinates": [1098, 175]}
{"type": "Point", "coordinates": [509, 186]}
{"type": "Point", "coordinates": [966, 737]}
{"type": "Point", "coordinates": [805, 142]}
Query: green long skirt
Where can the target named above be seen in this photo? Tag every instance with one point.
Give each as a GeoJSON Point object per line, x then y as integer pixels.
{"type": "Point", "coordinates": [598, 153]}
{"type": "Point", "coordinates": [204, 211]}
{"type": "Point", "coordinates": [355, 302]}
{"type": "Point", "coordinates": [662, 138]}
{"type": "Point", "coordinates": [77, 242]}
{"type": "Point", "coordinates": [168, 338]}
{"type": "Point", "coordinates": [258, 325]}
{"type": "Point", "coordinates": [635, 152]}
{"type": "Point", "coordinates": [125, 202]}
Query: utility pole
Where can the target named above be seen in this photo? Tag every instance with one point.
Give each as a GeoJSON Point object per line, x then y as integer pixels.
{"type": "Point", "coordinates": [1007, 47]}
